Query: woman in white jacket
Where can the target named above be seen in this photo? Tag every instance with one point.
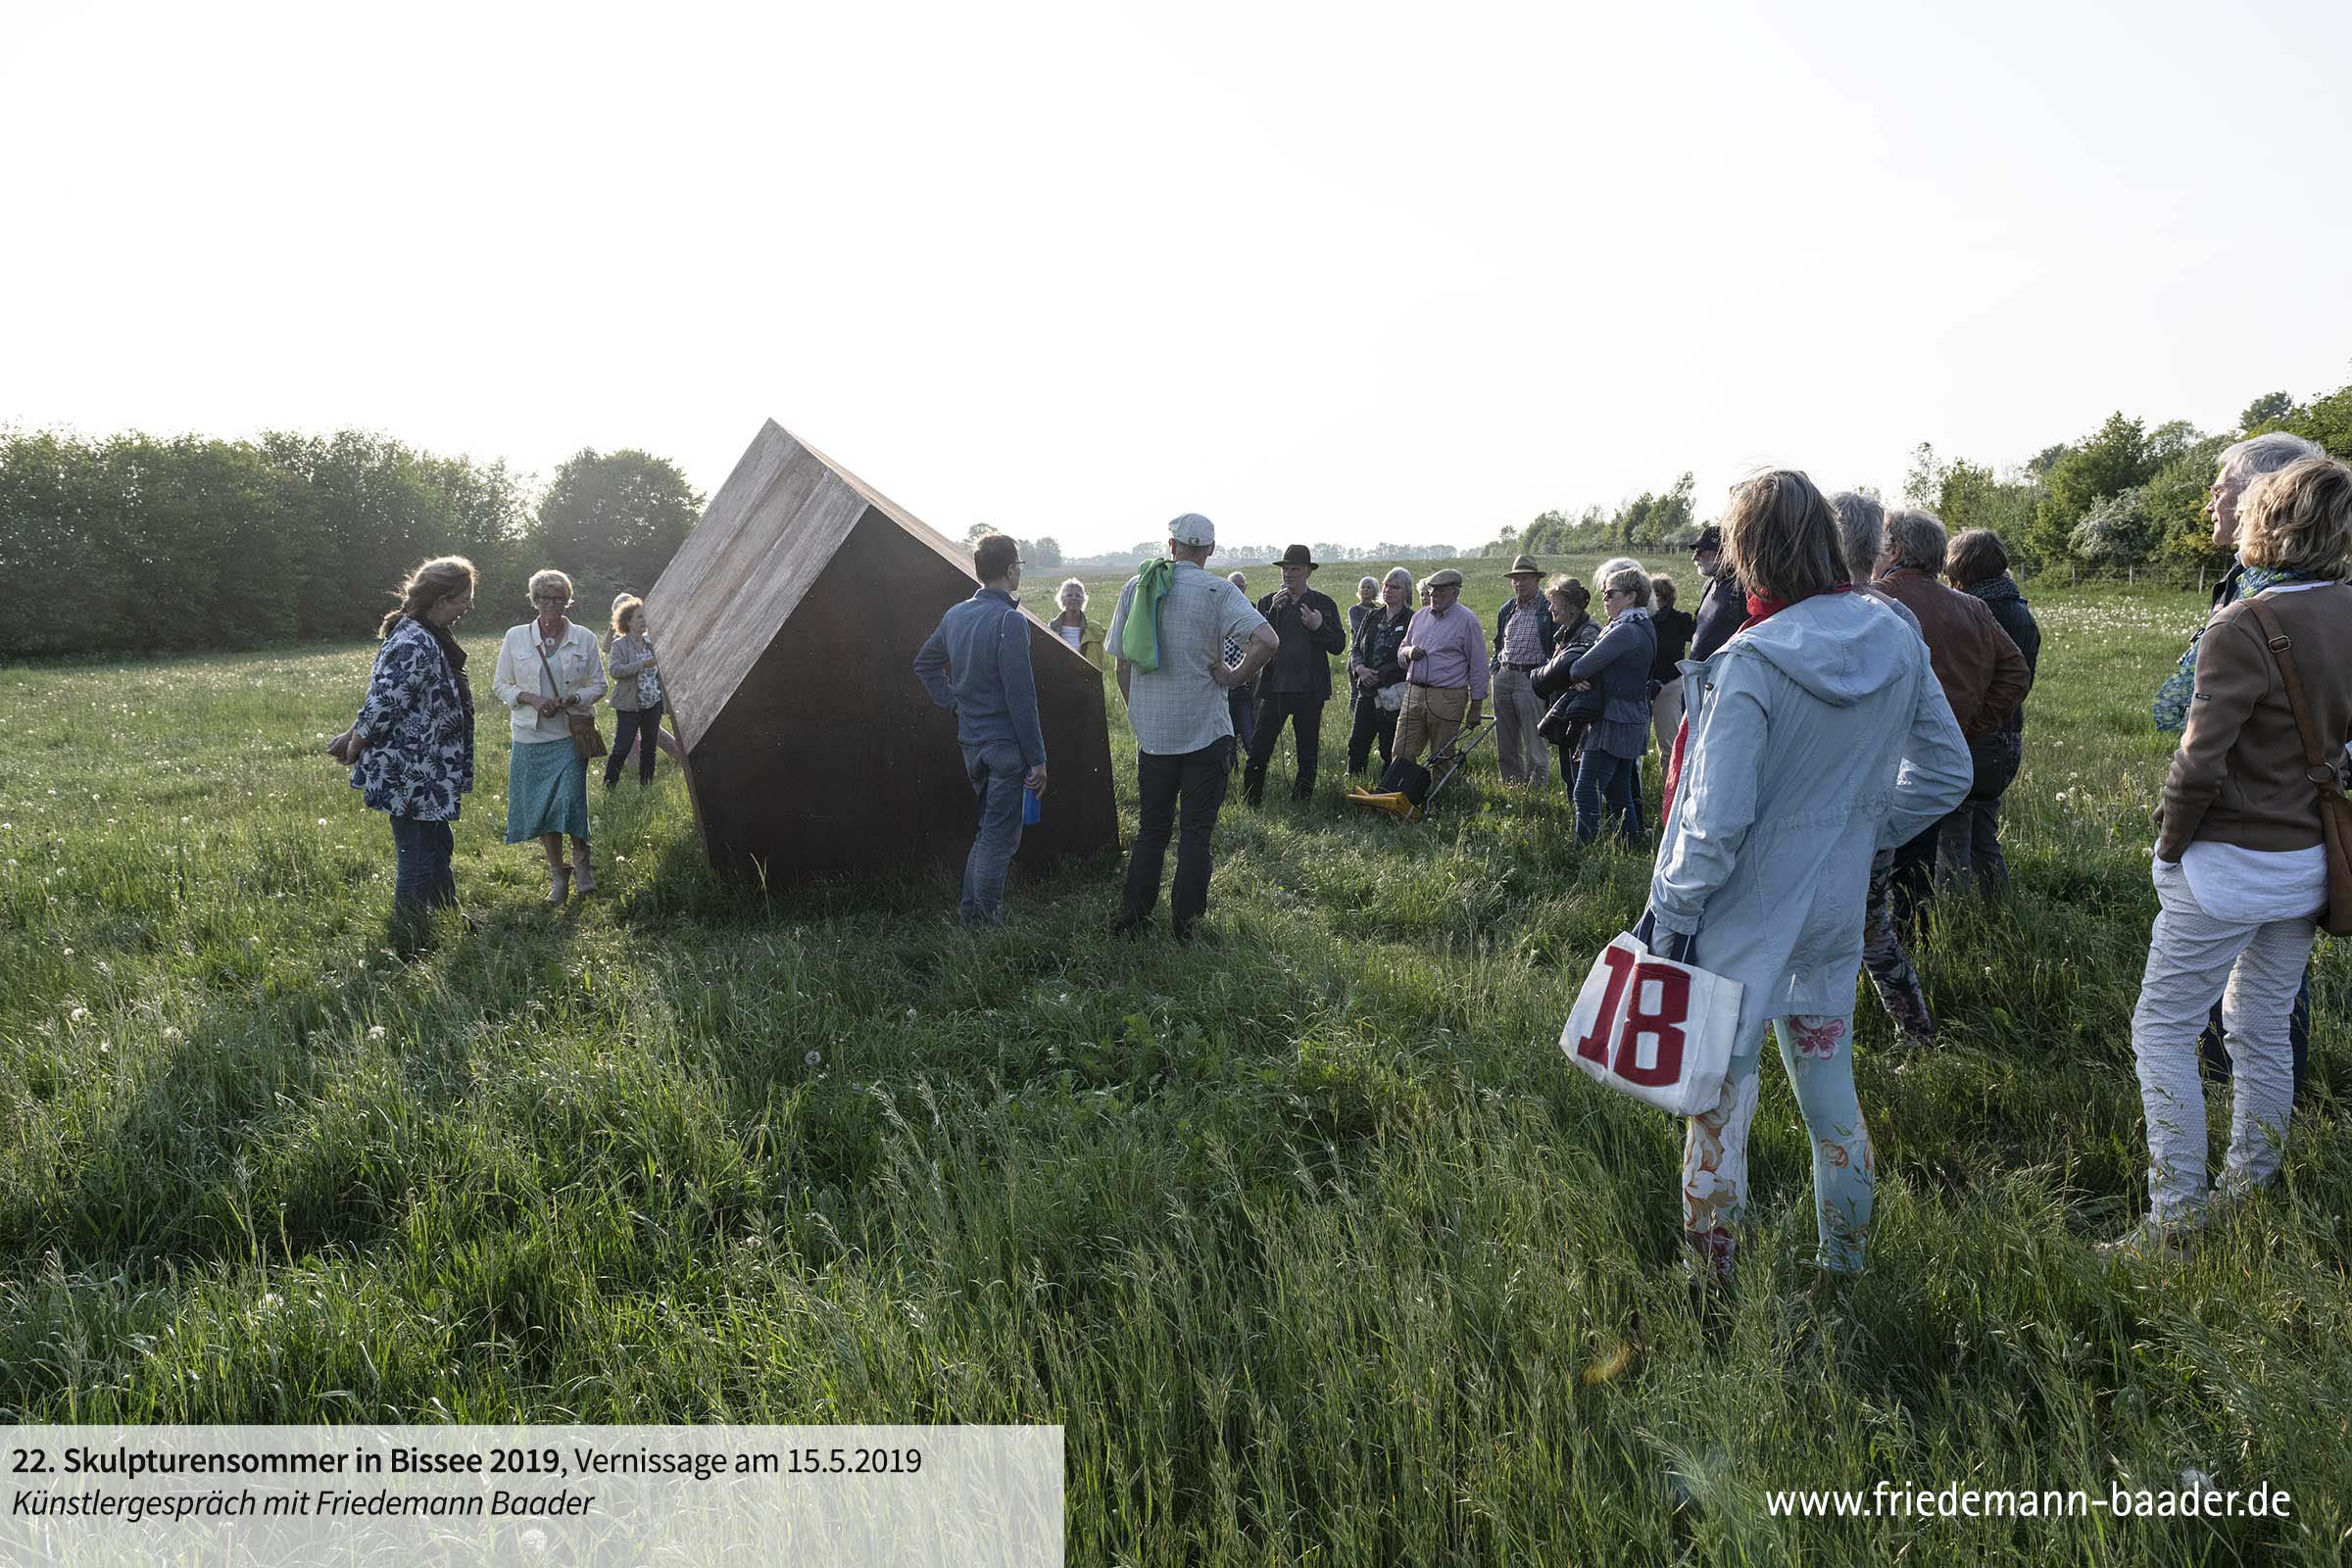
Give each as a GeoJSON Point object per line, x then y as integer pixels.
{"type": "Point", "coordinates": [1817, 734]}
{"type": "Point", "coordinates": [548, 669]}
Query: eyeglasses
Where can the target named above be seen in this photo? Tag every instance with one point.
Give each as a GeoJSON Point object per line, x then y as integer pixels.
{"type": "Point", "coordinates": [552, 598]}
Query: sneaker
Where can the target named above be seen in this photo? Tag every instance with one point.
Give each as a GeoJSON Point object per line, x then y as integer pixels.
{"type": "Point", "coordinates": [2154, 1240]}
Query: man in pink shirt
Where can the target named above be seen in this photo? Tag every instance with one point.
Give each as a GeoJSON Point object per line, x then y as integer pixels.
{"type": "Point", "coordinates": [1445, 657]}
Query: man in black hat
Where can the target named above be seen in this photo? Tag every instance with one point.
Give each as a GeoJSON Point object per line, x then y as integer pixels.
{"type": "Point", "coordinates": [1296, 681]}
{"type": "Point", "coordinates": [1724, 610]}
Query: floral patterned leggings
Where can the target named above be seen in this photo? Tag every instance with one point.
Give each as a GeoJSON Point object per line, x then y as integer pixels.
{"type": "Point", "coordinates": [1818, 1052]}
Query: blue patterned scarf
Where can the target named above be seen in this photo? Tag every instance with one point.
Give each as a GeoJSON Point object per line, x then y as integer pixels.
{"type": "Point", "coordinates": [2173, 697]}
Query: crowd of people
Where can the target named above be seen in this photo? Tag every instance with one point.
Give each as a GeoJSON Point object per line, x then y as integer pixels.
{"type": "Point", "coordinates": [1836, 719]}
{"type": "Point", "coordinates": [411, 748]}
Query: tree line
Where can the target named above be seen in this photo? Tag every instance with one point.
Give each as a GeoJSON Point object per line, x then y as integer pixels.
{"type": "Point", "coordinates": [2124, 494]}
{"type": "Point", "coordinates": [136, 543]}
{"type": "Point", "coordinates": [1650, 519]}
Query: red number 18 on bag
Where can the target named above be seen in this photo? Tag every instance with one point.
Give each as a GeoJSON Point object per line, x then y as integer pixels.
{"type": "Point", "coordinates": [1657, 1030]}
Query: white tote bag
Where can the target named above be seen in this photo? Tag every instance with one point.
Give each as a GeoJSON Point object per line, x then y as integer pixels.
{"type": "Point", "coordinates": [1657, 1030]}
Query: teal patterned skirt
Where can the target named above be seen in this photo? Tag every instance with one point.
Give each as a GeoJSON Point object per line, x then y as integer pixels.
{"type": "Point", "coordinates": [547, 790]}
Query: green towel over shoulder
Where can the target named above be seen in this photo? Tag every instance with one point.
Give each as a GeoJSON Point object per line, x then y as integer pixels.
{"type": "Point", "coordinates": [1138, 637]}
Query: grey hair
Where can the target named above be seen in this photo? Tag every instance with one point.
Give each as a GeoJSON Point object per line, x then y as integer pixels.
{"type": "Point", "coordinates": [549, 578]}
{"type": "Point", "coordinates": [2267, 453]}
{"type": "Point", "coordinates": [1628, 580]}
{"type": "Point", "coordinates": [1236, 579]}
{"type": "Point", "coordinates": [1862, 530]}
{"type": "Point", "coordinates": [1372, 583]}
{"type": "Point", "coordinates": [1064, 592]}
{"type": "Point", "coordinates": [1917, 538]}
{"type": "Point", "coordinates": [1395, 572]}
{"type": "Point", "coordinates": [1615, 564]}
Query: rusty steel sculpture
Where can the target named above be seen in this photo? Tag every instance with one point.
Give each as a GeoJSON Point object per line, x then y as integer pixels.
{"type": "Point", "coordinates": [788, 625]}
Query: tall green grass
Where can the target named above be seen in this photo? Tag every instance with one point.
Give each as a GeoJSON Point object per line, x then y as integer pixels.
{"type": "Point", "coordinates": [1309, 1236]}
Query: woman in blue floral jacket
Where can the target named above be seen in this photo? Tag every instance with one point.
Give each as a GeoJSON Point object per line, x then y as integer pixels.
{"type": "Point", "coordinates": [411, 749]}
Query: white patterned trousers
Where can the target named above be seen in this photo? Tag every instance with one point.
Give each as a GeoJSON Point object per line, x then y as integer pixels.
{"type": "Point", "coordinates": [2255, 969]}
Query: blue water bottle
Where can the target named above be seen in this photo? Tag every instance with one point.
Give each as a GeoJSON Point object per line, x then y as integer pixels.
{"type": "Point", "coordinates": [1032, 811]}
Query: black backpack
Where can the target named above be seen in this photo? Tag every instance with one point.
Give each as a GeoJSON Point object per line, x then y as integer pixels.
{"type": "Point", "coordinates": [1407, 778]}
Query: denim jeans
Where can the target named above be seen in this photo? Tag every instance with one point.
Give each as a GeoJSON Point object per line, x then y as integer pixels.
{"type": "Point", "coordinates": [1599, 777]}
{"type": "Point", "coordinates": [421, 852]}
{"type": "Point", "coordinates": [634, 724]}
{"type": "Point", "coordinates": [1198, 780]}
{"type": "Point", "coordinates": [997, 772]}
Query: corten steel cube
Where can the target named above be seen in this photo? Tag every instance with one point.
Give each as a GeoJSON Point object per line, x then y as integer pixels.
{"type": "Point", "coordinates": [788, 625]}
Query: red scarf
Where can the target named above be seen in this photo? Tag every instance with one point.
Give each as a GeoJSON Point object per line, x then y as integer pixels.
{"type": "Point", "coordinates": [1759, 610]}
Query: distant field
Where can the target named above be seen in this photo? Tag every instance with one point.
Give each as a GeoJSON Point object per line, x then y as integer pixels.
{"type": "Point", "coordinates": [1309, 1236]}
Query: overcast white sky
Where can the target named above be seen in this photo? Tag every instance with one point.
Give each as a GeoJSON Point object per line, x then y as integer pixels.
{"type": "Point", "coordinates": [1352, 272]}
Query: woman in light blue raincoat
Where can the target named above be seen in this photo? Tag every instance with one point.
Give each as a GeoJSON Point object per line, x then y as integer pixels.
{"type": "Point", "coordinates": [1817, 735]}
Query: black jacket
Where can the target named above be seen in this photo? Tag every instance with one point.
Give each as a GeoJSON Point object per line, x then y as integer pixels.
{"type": "Point", "coordinates": [2008, 607]}
{"type": "Point", "coordinates": [1321, 644]}
{"type": "Point", "coordinates": [1674, 628]}
{"type": "Point", "coordinates": [1722, 611]}
{"type": "Point", "coordinates": [1548, 631]}
{"type": "Point", "coordinates": [1376, 642]}
{"type": "Point", "coordinates": [1553, 679]}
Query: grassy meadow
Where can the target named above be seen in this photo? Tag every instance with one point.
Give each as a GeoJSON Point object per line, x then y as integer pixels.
{"type": "Point", "coordinates": [1307, 1233]}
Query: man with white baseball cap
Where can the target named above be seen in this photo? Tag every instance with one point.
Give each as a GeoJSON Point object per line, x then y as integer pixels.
{"type": "Point", "coordinates": [1168, 635]}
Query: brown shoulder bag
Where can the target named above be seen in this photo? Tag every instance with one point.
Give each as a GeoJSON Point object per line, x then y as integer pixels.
{"type": "Point", "coordinates": [2335, 811]}
{"type": "Point", "coordinates": [586, 738]}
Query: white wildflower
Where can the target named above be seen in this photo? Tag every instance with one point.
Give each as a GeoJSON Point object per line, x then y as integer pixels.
{"type": "Point", "coordinates": [813, 1058]}
{"type": "Point", "coordinates": [376, 1031]}
{"type": "Point", "coordinates": [172, 1032]}
{"type": "Point", "coordinates": [75, 1015]}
